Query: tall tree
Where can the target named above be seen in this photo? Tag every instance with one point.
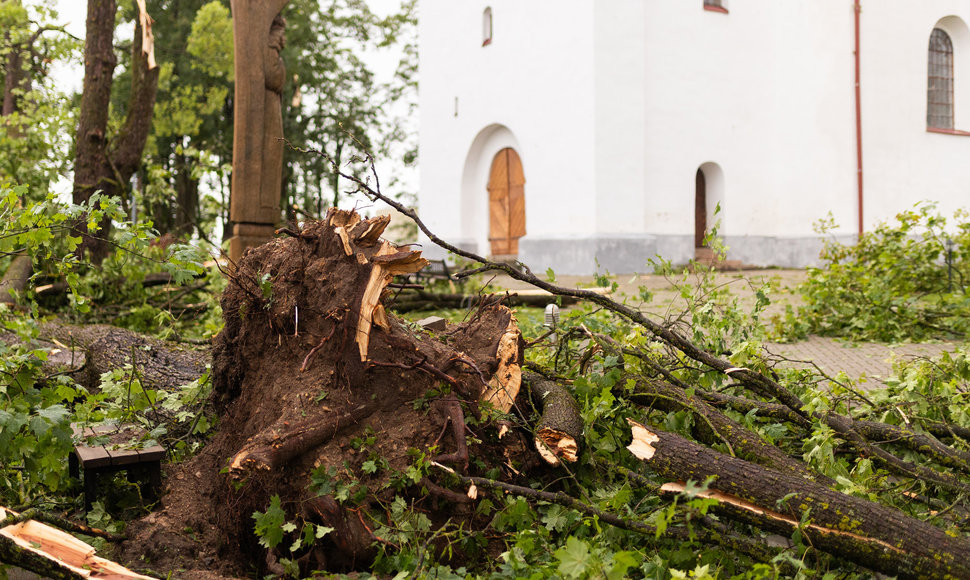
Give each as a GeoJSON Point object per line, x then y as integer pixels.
{"type": "Point", "coordinates": [105, 162]}
{"type": "Point", "coordinates": [34, 114]}
{"type": "Point", "coordinates": [336, 103]}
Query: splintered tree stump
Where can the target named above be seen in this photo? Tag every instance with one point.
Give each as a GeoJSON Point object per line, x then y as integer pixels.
{"type": "Point", "coordinates": [852, 528]}
{"type": "Point", "coordinates": [315, 379]}
{"type": "Point", "coordinates": [560, 427]}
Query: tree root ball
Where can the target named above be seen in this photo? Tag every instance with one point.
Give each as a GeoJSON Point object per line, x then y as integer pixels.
{"type": "Point", "coordinates": [325, 395]}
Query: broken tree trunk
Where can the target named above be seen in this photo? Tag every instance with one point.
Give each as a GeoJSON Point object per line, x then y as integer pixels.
{"type": "Point", "coordinates": [308, 366]}
{"type": "Point", "coordinates": [559, 431]}
{"type": "Point", "coordinates": [857, 530]}
{"type": "Point", "coordinates": [15, 278]}
{"type": "Point", "coordinates": [53, 553]}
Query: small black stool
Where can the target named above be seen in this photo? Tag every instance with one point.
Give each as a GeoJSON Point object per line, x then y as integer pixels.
{"type": "Point", "coordinates": [114, 457]}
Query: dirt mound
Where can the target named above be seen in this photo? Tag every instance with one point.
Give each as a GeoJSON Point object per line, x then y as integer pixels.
{"type": "Point", "coordinates": [321, 390]}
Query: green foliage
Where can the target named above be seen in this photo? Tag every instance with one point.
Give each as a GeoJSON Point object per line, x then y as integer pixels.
{"type": "Point", "coordinates": [904, 281]}
{"type": "Point", "coordinates": [38, 404]}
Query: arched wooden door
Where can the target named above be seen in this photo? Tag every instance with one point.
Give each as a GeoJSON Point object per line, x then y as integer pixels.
{"type": "Point", "coordinates": [700, 209]}
{"type": "Point", "coordinates": [506, 203]}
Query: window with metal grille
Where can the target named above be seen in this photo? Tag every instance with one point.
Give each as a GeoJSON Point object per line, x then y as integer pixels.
{"type": "Point", "coordinates": [487, 26]}
{"type": "Point", "coordinates": [713, 3]}
{"type": "Point", "coordinates": [939, 94]}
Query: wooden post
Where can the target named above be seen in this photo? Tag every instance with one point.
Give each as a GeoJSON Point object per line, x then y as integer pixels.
{"type": "Point", "coordinates": [257, 147]}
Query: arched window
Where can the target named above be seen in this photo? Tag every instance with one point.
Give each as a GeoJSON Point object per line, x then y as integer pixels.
{"type": "Point", "coordinates": [487, 26]}
{"type": "Point", "coordinates": [939, 92]}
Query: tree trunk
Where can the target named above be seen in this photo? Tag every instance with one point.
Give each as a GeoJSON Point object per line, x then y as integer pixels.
{"type": "Point", "coordinates": [187, 197]}
{"type": "Point", "coordinates": [848, 527]}
{"type": "Point", "coordinates": [86, 352]}
{"type": "Point", "coordinates": [101, 164]}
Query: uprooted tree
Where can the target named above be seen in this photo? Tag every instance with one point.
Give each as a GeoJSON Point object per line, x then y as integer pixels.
{"type": "Point", "coordinates": [333, 411]}
{"type": "Point", "coordinates": [346, 433]}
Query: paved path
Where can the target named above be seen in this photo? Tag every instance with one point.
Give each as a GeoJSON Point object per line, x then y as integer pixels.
{"type": "Point", "coordinates": [871, 360]}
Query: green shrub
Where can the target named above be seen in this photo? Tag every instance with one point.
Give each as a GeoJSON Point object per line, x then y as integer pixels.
{"type": "Point", "coordinates": [904, 281]}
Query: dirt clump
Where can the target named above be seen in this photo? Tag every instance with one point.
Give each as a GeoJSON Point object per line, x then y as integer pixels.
{"type": "Point", "coordinates": [330, 403]}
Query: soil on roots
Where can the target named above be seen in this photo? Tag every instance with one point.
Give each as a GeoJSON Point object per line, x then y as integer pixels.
{"type": "Point", "coordinates": [310, 415]}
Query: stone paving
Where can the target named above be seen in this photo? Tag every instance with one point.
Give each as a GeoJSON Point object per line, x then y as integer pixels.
{"type": "Point", "coordinates": [873, 361]}
{"type": "Point", "coordinates": [870, 360]}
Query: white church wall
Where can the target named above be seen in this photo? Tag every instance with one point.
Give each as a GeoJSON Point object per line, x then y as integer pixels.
{"type": "Point", "coordinates": [765, 92]}
{"type": "Point", "coordinates": [525, 88]}
{"type": "Point", "coordinates": [613, 106]}
{"type": "Point", "coordinates": [905, 163]}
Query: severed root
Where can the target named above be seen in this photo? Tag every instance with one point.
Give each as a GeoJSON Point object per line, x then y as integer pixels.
{"type": "Point", "coordinates": [451, 409]}
{"type": "Point", "coordinates": [273, 448]}
{"type": "Point", "coordinates": [560, 429]}
{"type": "Point", "coordinates": [350, 545]}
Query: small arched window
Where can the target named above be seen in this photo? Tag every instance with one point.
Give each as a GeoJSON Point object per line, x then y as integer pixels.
{"type": "Point", "coordinates": [939, 92]}
{"type": "Point", "coordinates": [487, 26]}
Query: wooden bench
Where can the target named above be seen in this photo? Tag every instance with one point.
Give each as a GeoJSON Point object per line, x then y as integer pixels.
{"type": "Point", "coordinates": [435, 270]}
{"type": "Point", "coordinates": [115, 456]}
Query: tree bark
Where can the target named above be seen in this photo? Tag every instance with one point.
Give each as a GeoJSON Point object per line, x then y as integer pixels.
{"type": "Point", "coordinates": [101, 164]}
{"type": "Point", "coordinates": [86, 352]}
{"type": "Point", "coordinates": [559, 431]}
{"type": "Point", "coordinates": [869, 534]}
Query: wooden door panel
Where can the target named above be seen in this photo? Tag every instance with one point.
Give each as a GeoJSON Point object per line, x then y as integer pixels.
{"type": "Point", "coordinates": [506, 203]}
{"type": "Point", "coordinates": [516, 211]}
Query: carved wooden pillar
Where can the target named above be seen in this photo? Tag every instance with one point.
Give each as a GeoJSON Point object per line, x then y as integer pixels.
{"type": "Point", "coordinates": [257, 148]}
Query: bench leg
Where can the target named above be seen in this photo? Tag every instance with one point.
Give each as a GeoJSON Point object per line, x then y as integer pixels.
{"type": "Point", "coordinates": [90, 488]}
{"type": "Point", "coordinates": [73, 469]}
{"type": "Point", "coordinates": [154, 480]}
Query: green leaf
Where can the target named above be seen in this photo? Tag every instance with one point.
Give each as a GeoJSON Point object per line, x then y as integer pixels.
{"type": "Point", "coordinates": [269, 524]}
{"type": "Point", "coordinates": [572, 558]}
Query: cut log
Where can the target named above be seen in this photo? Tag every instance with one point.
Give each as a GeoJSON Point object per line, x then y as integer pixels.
{"type": "Point", "coordinates": [53, 553]}
{"type": "Point", "coordinates": [559, 431]}
{"type": "Point", "coordinates": [851, 528]}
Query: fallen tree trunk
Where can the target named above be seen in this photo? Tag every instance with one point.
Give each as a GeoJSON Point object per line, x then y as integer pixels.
{"type": "Point", "coordinates": [53, 553]}
{"type": "Point", "coordinates": [857, 530]}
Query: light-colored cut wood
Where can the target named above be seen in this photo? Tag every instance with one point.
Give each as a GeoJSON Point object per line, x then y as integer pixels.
{"type": "Point", "coordinates": [504, 386]}
{"type": "Point", "coordinates": [63, 549]}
